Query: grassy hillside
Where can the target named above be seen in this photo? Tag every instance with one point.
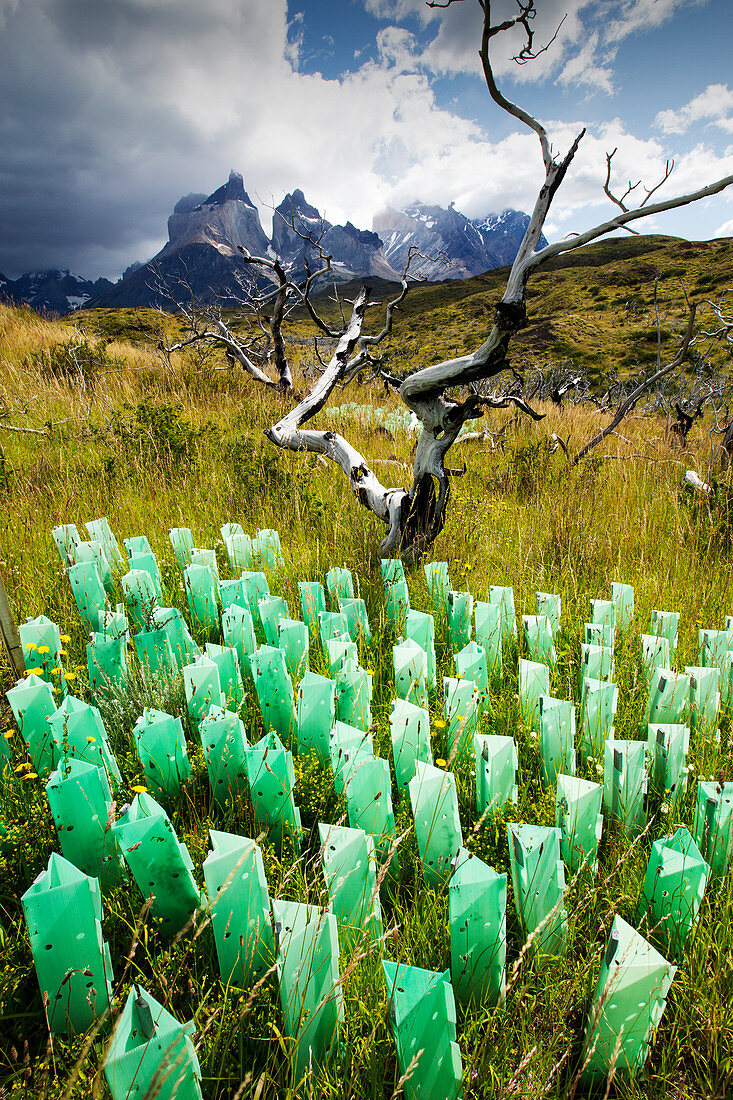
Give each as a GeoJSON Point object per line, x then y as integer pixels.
{"type": "Point", "coordinates": [155, 443]}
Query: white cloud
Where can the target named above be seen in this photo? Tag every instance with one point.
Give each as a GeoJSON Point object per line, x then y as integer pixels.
{"type": "Point", "coordinates": [715, 105]}
{"type": "Point", "coordinates": [725, 230]}
{"type": "Point", "coordinates": [645, 15]}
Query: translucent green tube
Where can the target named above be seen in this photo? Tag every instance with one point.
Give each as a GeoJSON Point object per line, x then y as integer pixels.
{"type": "Point", "coordinates": [349, 746]}
{"type": "Point", "coordinates": [420, 628]}
{"type": "Point", "coordinates": [557, 738]}
{"type": "Point", "coordinates": [538, 639]}
{"type": "Point", "coordinates": [674, 885]}
{"type": "Point", "coordinates": [32, 704]}
{"type": "Point", "coordinates": [77, 730]}
{"type": "Point", "coordinates": [354, 695]}
{"type": "Point", "coordinates": [155, 654]}
{"type": "Point", "coordinates": [182, 542]}
{"type": "Point", "coordinates": [550, 605]}
{"type": "Point", "coordinates": [461, 708]}
{"type": "Point", "coordinates": [201, 593]}
{"type": "Point", "coordinates": [316, 715]}
{"type": "Point", "coordinates": [471, 664]}
{"type": "Point", "coordinates": [668, 746]}
{"type": "Point", "coordinates": [356, 616]}
{"type": "Point", "coordinates": [580, 821]}
{"type": "Point", "coordinates": [496, 771]}
{"type": "Point", "coordinates": [271, 610]}
{"type": "Point", "coordinates": [410, 730]}
{"type": "Point", "coordinates": [538, 878]}
{"type": "Point", "coordinates": [63, 914]}
{"type": "Point", "coordinates": [669, 697]}
{"type": "Point", "coordinates": [293, 638]}
{"type": "Point", "coordinates": [369, 802]}
{"type": "Point", "coordinates": [239, 633]}
{"type": "Point", "coordinates": [713, 826]}
{"type": "Point", "coordinates": [437, 821]}
{"type": "Point", "coordinates": [274, 691]}
{"type": "Point", "coordinates": [203, 688]}
{"type": "Point", "coordinates": [239, 909]}
{"type": "Point", "coordinates": [704, 696]}
{"type": "Point", "coordinates": [226, 660]}
{"type": "Point", "coordinates": [625, 784]}
{"type": "Point", "coordinates": [225, 746]}
{"type": "Point", "coordinates": [488, 627]}
{"type": "Point", "coordinates": [89, 593]}
{"type": "Point", "coordinates": [161, 746]}
{"type": "Point", "coordinates": [170, 620]}
{"type": "Point", "coordinates": [350, 871]}
{"type": "Point", "coordinates": [106, 664]}
{"type": "Point", "coordinates": [410, 664]}
{"type": "Point", "coordinates": [312, 600]}
{"type": "Point", "coordinates": [82, 808]}
{"type": "Point", "coordinates": [459, 607]}
{"type": "Point", "coordinates": [477, 896]}
{"type": "Point", "coordinates": [600, 700]}
{"type": "Point", "coordinates": [534, 680]}
{"type": "Point", "coordinates": [339, 583]}
{"type": "Point", "coordinates": [272, 785]}
{"type": "Point", "coordinates": [503, 597]}
{"type": "Point", "coordinates": [396, 594]}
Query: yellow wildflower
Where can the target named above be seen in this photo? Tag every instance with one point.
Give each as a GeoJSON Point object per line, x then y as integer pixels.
{"type": "Point", "coordinates": [65, 637]}
{"type": "Point", "coordinates": [23, 767]}
{"type": "Point", "coordinates": [70, 675]}
{"type": "Point", "coordinates": [63, 653]}
{"type": "Point", "coordinates": [34, 672]}
{"type": "Point", "coordinates": [31, 775]}
{"type": "Point", "coordinates": [31, 645]}
{"type": "Point", "coordinates": [8, 734]}
{"type": "Point", "coordinates": [43, 649]}
{"type": "Point", "coordinates": [91, 739]}
{"type": "Point", "coordinates": [440, 763]}
{"type": "Point", "coordinates": [140, 790]}
{"type": "Point", "coordinates": [439, 723]}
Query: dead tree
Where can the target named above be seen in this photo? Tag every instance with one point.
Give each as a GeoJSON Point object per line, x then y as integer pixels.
{"type": "Point", "coordinates": [443, 397]}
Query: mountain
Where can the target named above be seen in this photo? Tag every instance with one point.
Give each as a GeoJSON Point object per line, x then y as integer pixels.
{"type": "Point", "coordinates": [54, 291]}
{"type": "Point", "coordinates": [456, 247]}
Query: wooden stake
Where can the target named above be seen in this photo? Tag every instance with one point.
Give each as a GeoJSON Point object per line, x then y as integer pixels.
{"type": "Point", "coordinates": [9, 631]}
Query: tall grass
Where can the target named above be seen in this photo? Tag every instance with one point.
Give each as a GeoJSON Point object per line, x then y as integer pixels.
{"type": "Point", "coordinates": [182, 445]}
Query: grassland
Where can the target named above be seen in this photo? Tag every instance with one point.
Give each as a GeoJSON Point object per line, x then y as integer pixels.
{"type": "Point", "coordinates": [155, 445]}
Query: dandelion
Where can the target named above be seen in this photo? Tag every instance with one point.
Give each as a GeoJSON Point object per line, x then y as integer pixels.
{"type": "Point", "coordinates": [140, 790]}
{"type": "Point", "coordinates": [31, 645]}
{"type": "Point", "coordinates": [70, 675]}
{"type": "Point", "coordinates": [31, 775]}
{"type": "Point", "coordinates": [90, 738]}
{"type": "Point", "coordinates": [24, 767]}
{"type": "Point", "coordinates": [43, 649]}
{"type": "Point", "coordinates": [34, 671]}
{"type": "Point", "coordinates": [8, 734]}
{"type": "Point", "coordinates": [65, 637]}
{"type": "Point", "coordinates": [439, 724]}
{"type": "Point", "coordinates": [63, 653]}
{"type": "Point", "coordinates": [440, 763]}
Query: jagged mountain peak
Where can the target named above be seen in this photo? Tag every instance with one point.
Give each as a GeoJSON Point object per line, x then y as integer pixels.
{"type": "Point", "coordinates": [231, 191]}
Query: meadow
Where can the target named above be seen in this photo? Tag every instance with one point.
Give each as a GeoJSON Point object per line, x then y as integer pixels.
{"type": "Point", "coordinates": [155, 443]}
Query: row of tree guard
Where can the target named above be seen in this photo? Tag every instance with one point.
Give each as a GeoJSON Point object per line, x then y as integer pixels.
{"type": "Point", "coordinates": [331, 719]}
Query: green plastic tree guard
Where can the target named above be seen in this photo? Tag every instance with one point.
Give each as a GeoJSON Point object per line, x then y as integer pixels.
{"type": "Point", "coordinates": [557, 738]}
{"type": "Point", "coordinates": [182, 644]}
{"type": "Point", "coordinates": [316, 715]}
{"type": "Point", "coordinates": [182, 542]}
{"type": "Point", "coordinates": [67, 538]}
{"type": "Point", "coordinates": [600, 700]}
{"type": "Point", "coordinates": [240, 551]}
{"type": "Point", "coordinates": [369, 804]}
{"type": "Point", "coordinates": [600, 634]}
{"type": "Point", "coordinates": [676, 877]}
{"type": "Point", "coordinates": [147, 563]}
{"type": "Point", "coordinates": [669, 696]}
{"type": "Point", "coordinates": [239, 633]}
{"type": "Point", "coordinates": [461, 708]}
{"type": "Point", "coordinates": [272, 784]}
{"type": "Point", "coordinates": [231, 591]}
{"type": "Point", "coordinates": [534, 680]}
{"type": "Point", "coordinates": [665, 624]}
{"type": "Point", "coordinates": [107, 666]}
{"type": "Point", "coordinates": [477, 898]}
{"type": "Point", "coordinates": [713, 646]}
{"type": "Point", "coordinates": [420, 628]}
{"type": "Point", "coordinates": [603, 613]}
{"type": "Point", "coordinates": [339, 650]}
{"type": "Point", "coordinates": [161, 746]}
{"type": "Point", "coordinates": [239, 909]}
{"type": "Point", "coordinates": [654, 653]}
{"type": "Point", "coordinates": [114, 624]}
{"type": "Point", "coordinates": [487, 619]}
{"type": "Point", "coordinates": [396, 594]}
{"type": "Point", "coordinates": [89, 593]}
{"type": "Point", "coordinates": [226, 660]}
{"type": "Point", "coordinates": [549, 604]}
{"type": "Point", "coordinates": [204, 556]}
{"type": "Point", "coordinates": [348, 748]}
{"type": "Point", "coordinates": [355, 611]}
{"type": "Point", "coordinates": [311, 996]}
{"type": "Point", "coordinates": [267, 550]}
{"type": "Point", "coordinates": [538, 879]}
{"type": "Point", "coordinates": [230, 529]}
{"type": "Point", "coordinates": [471, 664]}
{"type": "Point", "coordinates": [459, 608]}
{"type": "Point", "coordinates": [625, 783]}
{"type": "Point", "coordinates": [422, 1017]}
{"type": "Point", "coordinates": [538, 639]}
{"type": "Point", "coordinates": [274, 690]}
{"type": "Point", "coordinates": [580, 821]}
{"type": "Point", "coordinates": [41, 642]}
{"type": "Point", "coordinates": [354, 695]}
{"type": "Point", "coordinates": [31, 701]}
{"type": "Point", "coordinates": [255, 587]}
{"type": "Point", "coordinates": [627, 1005]}
{"type": "Point", "coordinates": [63, 913]}
{"type": "Point", "coordinates": [225, 746]}
{"type": "Point", "coordinates": [77, 730]}
{"type": "Point", "coordinates": [596, 662]}
{"type": "Point", "coordinates": [293, 639]}
{"type": "Point", "coordinates": [201, 594]}
{"type": "Point", "coordinates": [203, 688]}
{"type": "Point", "coordinates": [503, 597]}
{"type": "Point", "coordinates": [93, 553]}
{"type": "Point", "coordinates": [151, 1053]}
{"type": "Point", "coordinates": [271, 609]}
{"type": "Point", "coordinates": [410, 663]}
{"type": "Point", "coordinates": [155, 654]}
{"type": "Point", "coordinates": [410, 730]}
{"type": "Point", "coordinates": [81, 804]}
{"type": "Point", "coordinates": [312, 600]}
{"type": "Point", "coordinates": [437, 821]}
{"type": "Point", "coordinates": [668, 746]}
{"type": "Point", "coordinates": [436, 574]}
{"type": "Point", "coordinates": [159, 863]}
{"type": "Point", "coordinates": [496, 771]}
{"type": "Point", "coordinates": [137, 544]}
{"type": "Point", "coordinates": [339, 584]}
{"type": "Point", "coordinates": [713, 827]}
{"type": "Point", "coordinates": [622, 597]}
{"type": "Point", "coordinates": [332, 625]}
{"type": "Point", "coordinates": [350, 871]}
{"type": "Point", "coordinates": [140, 597]}
{"type": "Point", "coordinates": [704, 697]}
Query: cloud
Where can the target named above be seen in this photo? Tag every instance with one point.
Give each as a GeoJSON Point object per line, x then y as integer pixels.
{"type": "Point", "coordinates": [715, 105]}
{"type": "Point", "coordinates": [725, 230]}
{"type": "Point", "coordinates": [645, 15]}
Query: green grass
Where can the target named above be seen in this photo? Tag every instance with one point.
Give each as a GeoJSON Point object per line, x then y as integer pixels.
{"type": "Point", "coordinates": [159, 449]}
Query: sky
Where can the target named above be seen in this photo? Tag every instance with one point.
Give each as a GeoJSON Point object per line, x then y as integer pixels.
{"type": "Point", "coordinates": [111, 110]}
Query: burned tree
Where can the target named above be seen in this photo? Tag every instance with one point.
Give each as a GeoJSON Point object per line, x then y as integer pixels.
{"type": "Point", "coordinates": [442, 397]}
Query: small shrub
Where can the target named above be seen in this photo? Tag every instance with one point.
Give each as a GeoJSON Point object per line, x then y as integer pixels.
{"type": "Point", "coordinates": [76, 361]}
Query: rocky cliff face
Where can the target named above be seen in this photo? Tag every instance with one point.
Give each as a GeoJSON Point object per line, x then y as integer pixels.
{"type": "Point", "coordinates": [456, 247]}
{"type": "Point", "coordinates": [227, 220]}
{"type": "Point", "coordinates": [54, 291]}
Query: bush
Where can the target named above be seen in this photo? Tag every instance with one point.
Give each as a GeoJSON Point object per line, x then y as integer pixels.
{"type": "Point", "coordinates": [76, 361]}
